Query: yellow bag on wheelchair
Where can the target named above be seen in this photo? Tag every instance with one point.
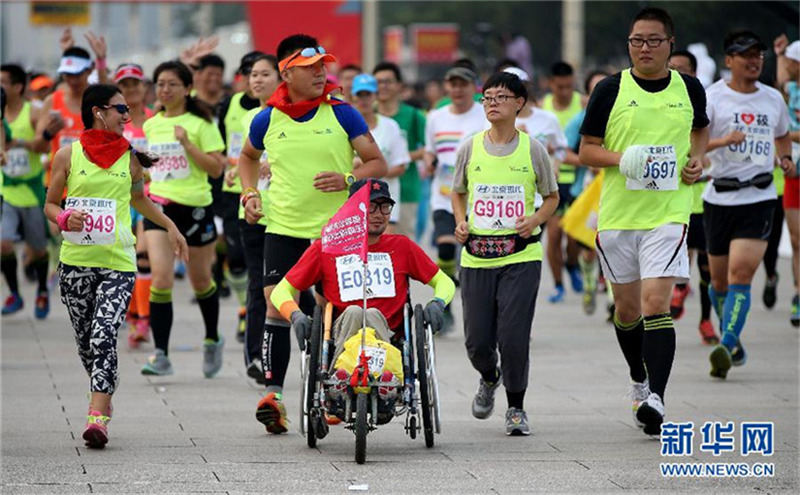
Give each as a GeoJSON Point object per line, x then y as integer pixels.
{"type": "Point", "coordinates": [382, 355]}
{"type": "Point", "coordinates": [580, 220]}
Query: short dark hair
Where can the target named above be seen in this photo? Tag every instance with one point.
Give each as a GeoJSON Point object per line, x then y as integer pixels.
{"type": "Point", "coordinates": [193, 104]}
{"type": "Point", "coordinates": [386, 65]}
{"type": "Point", "coordinates": [293, 43]}
{"type": "Point", "coordinates": [210, 60]}
{"type": "Point", "coordinates": [560, 69]}
{"type": "Point", "coordinates": [265, 56]}
{"type": "Point", "coordinates": [591, 75]}
{"type": "Point", "coordinates": [687, 54]}
{"type": "Point", "coordinates": [655, 14]}
{"type": "Point", "coordinates": [17, 74]}
{"type": "Point", "coordinates": [353, 67]}
{"type": "Point", "coordinates": [76, 51]}
{"type": "Point", "coordinates": [509, 81]}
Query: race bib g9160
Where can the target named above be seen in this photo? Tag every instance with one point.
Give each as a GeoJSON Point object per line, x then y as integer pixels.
{"type": "Point", "coordinates": [662, 172]}
{"type": "Point", "coordinates": [497, 207]}
{"type": "Point", "coordinates": [100, 225]}
{"type": "Point", "coordinates": [173, 163]}
{"type": "Point", "coordinates": [379, 276]}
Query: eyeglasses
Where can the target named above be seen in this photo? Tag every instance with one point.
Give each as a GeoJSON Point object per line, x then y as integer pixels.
{"type": "Point", "coordinates": [759, 55]}
{"type": "Point", "coordinates": [386, 208]}
{"type": "Point", "coordinates": [122, 109]}
{"type": "Point", "coordinates": [499, 99]}
{"type": "Point", "coordinates": [305, 52]}
{"type": "Point", "coordinates": [651, 42]}
{"type": "Point", "coordinates": [386, 82]}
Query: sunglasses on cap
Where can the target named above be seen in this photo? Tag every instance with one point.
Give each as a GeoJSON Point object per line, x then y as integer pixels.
{"type": "Point", "coordinates": [121, 108]}
{"type": "Point", "coordinates": [305, 53]}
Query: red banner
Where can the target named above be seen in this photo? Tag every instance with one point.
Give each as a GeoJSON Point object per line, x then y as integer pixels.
{"type": "Point", "coordinates": [434, 43]}
{"type": "Point", "coordinates": [346, 232]}
{"type": "Point", "coordinates": [393, 39]}
{"type": "Point", "coordinates": [336, 24]}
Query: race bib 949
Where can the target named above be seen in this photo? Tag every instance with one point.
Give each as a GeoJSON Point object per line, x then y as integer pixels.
{"type": "Point", "coordinates": [100, 225]}
{"type": "Point", "coordinates": [379, 276]}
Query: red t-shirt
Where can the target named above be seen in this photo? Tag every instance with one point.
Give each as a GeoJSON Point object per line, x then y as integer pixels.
{"type": "Point", "coordinates": [393, 259]}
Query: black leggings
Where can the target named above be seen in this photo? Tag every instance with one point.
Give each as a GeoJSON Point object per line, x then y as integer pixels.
{"type": "Point", "coordinates": [252, 240]}
{"type": "Point", "coordinates": [771, 256]}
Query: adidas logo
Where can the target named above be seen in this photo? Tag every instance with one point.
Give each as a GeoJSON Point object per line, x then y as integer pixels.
{"type": "Point", "coordinates": [328, 131]}
{"type": "Point", "coordinates": [633, 104]}
{"type": "Point", "coordinates": [652, 186]}
{"type": "Point", "coordinates": [282, 135]}
{"type": "Point", "coordinates": [369, 292]}
{"type": "Point", "coordinates": [748, 159]}
{"type": "Point", "coordinates": [497, 223]}
{"type": "Point", "coordinates": [87, 239]}
{"type": "Point", "coordinates": [478, 168]}
{"type": "Point", "coordinates": [82, 172]}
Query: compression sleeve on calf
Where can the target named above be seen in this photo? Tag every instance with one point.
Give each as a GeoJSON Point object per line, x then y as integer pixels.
{"type": "Point", "coordinates": [443, 287]}
{"type": "Point", "coordinates": [282, 297]}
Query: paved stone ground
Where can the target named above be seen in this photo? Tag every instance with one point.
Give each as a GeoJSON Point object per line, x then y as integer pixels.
{"type": "Point", "coordinates": [186, 434]}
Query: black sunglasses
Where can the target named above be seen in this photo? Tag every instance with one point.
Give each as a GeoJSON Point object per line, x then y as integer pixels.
{"type": "Point", "coordinates": [119, 107]}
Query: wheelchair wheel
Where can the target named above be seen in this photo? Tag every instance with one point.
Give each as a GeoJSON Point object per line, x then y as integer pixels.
{"type": "Point", "coordinates": [311, 386]}
{"type": "Point", "coordinates": [426, 404]}
{"type": "Point", "coordinates": [362, 405]}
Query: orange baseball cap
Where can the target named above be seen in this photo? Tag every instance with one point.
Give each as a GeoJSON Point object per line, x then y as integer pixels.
{"type": "Point", "coordinates": [305, 57]}
{"type": "Point", "coordinates": [41, 82]}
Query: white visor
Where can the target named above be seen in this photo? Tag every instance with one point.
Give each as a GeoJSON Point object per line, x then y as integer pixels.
{"type": "Point", "coordinates": [74, 65]}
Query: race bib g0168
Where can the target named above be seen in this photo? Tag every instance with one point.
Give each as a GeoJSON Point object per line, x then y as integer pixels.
{"type": "Point", "coordinates": [100, 226]}
{"type": "Point", "coordinates": [662, 172]}
{"type": "Point", "coordinates": [18, 163]}
{"type": "Point", "coordinates": [497, 207]}
{"type": "Point", "coordinates": [756, 149]}
{"type": "Point", "coordinates": [379, 276]}
{"type": "Point", "coordinates": [172, 164]}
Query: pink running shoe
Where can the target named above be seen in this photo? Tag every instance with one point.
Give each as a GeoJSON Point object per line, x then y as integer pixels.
{"type": "Point", "coordinates": [96, 432]}
{"type": "Point", "coordinates": [387, 386]}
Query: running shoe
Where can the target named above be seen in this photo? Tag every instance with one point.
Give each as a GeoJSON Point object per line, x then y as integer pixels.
{"type": "Point", "coordinates": [180, 270]}
{"type": "Point", "coordinates": [139, 332]}
{"type": "Point", "coordinates": [770, 296]}
{"type": "Point", "coordinates": [272, 413]}
{"type": "Point", "coordinates": [651, 414]}
{"type": "Point", "coordinates": [241, 326]}
{"type": "Point", "coordinates": [558, 295]}
{"type": "Point", "coordinates": [707, 333]}
{"type": "Point", "coordinates": [42, 308]}
{"type": "Point", "coordinates": [589, 302]}
{"type": "Point", "coordinates": [387, 386]}
{"type": "Point", "coordinates": [254, 372]}
{"type": "Point", "coordinates": [483, 403]}
{"type": "Point", "coordinates": [794, 319]}
{"type": "Point", "coordinates": [738, 355]}
{"type": "Point", "coordinates": [721, 361]}
{"type": "Point", "coordinates": [517, 423]}
{"type": "Point", "coordinates": [638, 392]}
{"type": "Point", "coordinates": [575, 278]}
{"type": "Point", "coordinates": [340, 380]}
{"type": "Point", "coordinates": [158, 364]}
{"type": "Point", "coordinates": [678, 297]}
{"type": "Point", "coordinates": [212, 356]}
{"type": "Point", "coordinates": [13, 304]}
{"type": "Point", "coordinates": [96, 432]}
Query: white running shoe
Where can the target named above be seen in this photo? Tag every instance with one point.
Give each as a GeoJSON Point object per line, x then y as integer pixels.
{"type": "Point", "coordinates": [637, 393]}
{"type": "Point", "coordinates": [651, 413]}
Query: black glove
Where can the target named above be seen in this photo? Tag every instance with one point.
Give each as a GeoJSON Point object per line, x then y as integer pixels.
{"type": "Point", "coordinates": [434, 314]}
{"type": "Point", "coordinates": [302, 328]}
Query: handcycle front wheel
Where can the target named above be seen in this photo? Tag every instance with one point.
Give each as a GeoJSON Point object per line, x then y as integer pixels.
{"type": "Point", "coordinates": [311, 385]}
{"type": "Point", "coordinates": [362, 428]}
{"type": "Point", "coordinates": [425, 391]}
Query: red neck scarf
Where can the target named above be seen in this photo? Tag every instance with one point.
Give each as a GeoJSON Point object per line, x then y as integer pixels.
{"type": "Point", "coordinates": [103, 147]}
{"type": "Point", "coordinates": [295, 110]}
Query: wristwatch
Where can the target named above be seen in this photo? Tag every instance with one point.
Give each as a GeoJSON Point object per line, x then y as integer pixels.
{"type": "Point", "coordinates": [349, 179]}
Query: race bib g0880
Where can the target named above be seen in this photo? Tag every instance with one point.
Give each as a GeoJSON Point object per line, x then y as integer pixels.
{"type": "Point", "coordinates": [100, 226]}
{"type": "Point", "coordinates": [497, 207]}
{"type": "Point", "coordinates": [379, 276]}
{"type": "Point", "coordinates": [172, 164]}
{"type": "Point", "coordinates": [662, 172]}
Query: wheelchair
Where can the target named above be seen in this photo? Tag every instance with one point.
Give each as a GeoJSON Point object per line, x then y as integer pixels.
{"type": "Point", "coordinates": [361, 408]}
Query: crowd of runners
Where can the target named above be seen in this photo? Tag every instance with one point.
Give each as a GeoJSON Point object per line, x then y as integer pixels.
{"type": "Point", "coordinates": [116, 182]}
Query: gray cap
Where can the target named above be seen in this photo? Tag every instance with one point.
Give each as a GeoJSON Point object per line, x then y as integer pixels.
{"type": "Point", "coordinates": [461, 73]}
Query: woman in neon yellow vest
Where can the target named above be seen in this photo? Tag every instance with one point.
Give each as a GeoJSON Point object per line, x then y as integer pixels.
{"type": "Point", "coordinates": [103, 175]}
{"type": "Point", "coordinates": [263, 80]}
{"type": "Point", "coordinates": [190, 147]}
{"type": "Point", "coordinates": [498, 173]}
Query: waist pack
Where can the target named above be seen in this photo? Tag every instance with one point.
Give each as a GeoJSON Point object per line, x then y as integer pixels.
{"type": "Point", "coordinates": [726, 184]}
{"type": "Point", "coordinates": [497, 246]}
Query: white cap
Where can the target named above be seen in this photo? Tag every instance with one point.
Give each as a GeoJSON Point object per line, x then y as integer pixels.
{"type": "Point", "coordinates": [74, 65]}
{"type": "Point", "coordinates": [521, 74]}
{"type": "Point", "coordinates": [793, 51]}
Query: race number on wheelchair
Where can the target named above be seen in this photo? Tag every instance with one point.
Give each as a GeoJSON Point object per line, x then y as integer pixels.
{"type": "Point", "coordinates": [379, 275]}
{"type": "Point", "coordinates": [376, 359]}
{"type": "Point", "coordinates": [662, 172]}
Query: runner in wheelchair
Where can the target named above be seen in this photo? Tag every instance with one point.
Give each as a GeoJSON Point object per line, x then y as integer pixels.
{"type": "Point", "coordinates": [393, 260]}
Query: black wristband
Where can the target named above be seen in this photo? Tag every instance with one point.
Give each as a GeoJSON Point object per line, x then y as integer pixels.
{"type": "Point", "coordinates": [46, 135]}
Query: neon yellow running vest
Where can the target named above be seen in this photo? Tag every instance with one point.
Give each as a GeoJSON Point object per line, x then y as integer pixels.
{"type": "Point", "coordinates": [235, 138]}
{"type": "Point", "coordinates": [23, 167]}
{"type": "Point", "coordinates": [298, 151]}
{"type": "Point", "coordinates": [97, 190]}
{"type": "Point", "coordinates": [497, 180]}
{"type": "Point", "coordinates": [566, 172]}
{"type": "Point", "coordinates": [640, 117]}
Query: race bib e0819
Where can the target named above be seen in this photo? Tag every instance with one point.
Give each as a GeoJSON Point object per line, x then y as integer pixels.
{"type": "Point", "coordinates": [172, 164]}
{"type": "Point", "coordinates": [662, 172]}
{"type": "Point", "coordinates": [497, 207]}
{"type": "Point", "coordinates": [100, 225]}
{"type": "Point", "coordinates": [379, 277]}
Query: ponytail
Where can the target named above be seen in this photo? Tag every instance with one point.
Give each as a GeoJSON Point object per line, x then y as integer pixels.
{"type": "Point", "coordinates": [146, 158]}
{"type": "Point", "coordinates": [199, 108]}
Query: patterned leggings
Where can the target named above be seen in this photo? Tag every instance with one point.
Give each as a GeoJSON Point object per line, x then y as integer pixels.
{"type": "Point", "coordinates": [97, 300]}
